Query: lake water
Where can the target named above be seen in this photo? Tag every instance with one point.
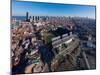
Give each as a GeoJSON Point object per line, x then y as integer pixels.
{"type": "Point", "coordinates": [19, 17]}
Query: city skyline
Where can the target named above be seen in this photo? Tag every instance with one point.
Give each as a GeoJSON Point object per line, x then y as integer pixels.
{"type": "Point", "coordinates": [52, 9]}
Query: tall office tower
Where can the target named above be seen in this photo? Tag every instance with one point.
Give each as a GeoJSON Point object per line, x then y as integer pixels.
{"type": "Point", "coordinates": [38, 18]}
{"type": "Point", "coordinates": [27, 14]}
{"type": "Point", "coordinates": [30, 19]}
{"type": "Point", "coordinates": [44, 18]}
{"type": "Point", "coordinates": [33, 17]}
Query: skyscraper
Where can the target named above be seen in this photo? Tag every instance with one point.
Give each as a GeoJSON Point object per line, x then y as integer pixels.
{"type": "Point", "coordinates": [27, 14]}
{"type": "Point", "coordinates": [33, 17]}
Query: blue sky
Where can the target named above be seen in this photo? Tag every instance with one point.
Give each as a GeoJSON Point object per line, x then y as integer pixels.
{"type": "Point", "coordinates": [51, 9]}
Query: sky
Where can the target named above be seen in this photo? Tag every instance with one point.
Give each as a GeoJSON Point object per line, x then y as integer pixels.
{"type": "Point", "coordinates": [19, 8]}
